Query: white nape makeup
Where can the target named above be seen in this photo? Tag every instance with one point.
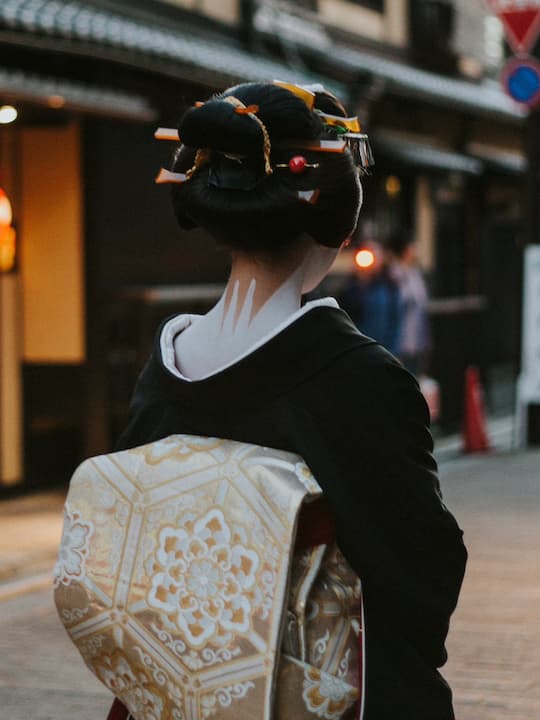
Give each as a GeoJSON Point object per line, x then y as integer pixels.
{"type": "Point", "coordinates": [244, 314]}
{"type": "Point", "coordinates": [260, 300]}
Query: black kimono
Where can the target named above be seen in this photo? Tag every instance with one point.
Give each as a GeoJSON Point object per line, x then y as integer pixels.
{"type": "Point", "coordinates": [321, 389]}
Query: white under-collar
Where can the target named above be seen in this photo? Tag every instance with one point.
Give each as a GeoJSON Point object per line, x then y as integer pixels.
{"type": "Point", "coordinates": [180, 322]}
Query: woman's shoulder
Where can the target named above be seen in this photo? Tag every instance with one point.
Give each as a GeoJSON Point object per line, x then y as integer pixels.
{"type": "Point", "coordinates": [367, 360]}
{"type": "Point", "coordinates": [368, 376]}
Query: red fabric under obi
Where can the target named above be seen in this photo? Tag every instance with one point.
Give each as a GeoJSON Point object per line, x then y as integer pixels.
{"type": "Point", "coordinates": [117, 711]}
{"type": "Point", "coordinates": [315, 525]}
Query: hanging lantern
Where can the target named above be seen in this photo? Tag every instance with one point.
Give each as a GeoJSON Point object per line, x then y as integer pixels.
{"type": "Point", "coordinates": [6, 214]}
{"type": "Point", "coordinates": [8, 248]}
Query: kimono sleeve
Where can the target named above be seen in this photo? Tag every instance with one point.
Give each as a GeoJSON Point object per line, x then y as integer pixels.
{"type": "Point", "coordinates": [392, 524]}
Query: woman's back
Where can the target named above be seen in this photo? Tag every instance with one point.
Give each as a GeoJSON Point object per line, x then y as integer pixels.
{"type": "Point", "coordinates": [322, 390]}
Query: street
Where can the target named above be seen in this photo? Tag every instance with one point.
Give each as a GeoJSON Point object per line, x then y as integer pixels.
{"type": "Point", "coordinates": [494, 641]}
{"type": "Point", "coordinates": [42, 677]}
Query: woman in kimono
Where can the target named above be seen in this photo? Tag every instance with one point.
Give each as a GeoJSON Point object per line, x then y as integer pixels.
{"type": "Point", "coordinates": [266, 169]}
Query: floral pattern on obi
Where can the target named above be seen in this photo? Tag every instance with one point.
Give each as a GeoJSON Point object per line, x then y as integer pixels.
{"type": "Point", "coordinates": [204, 580]}
{"type": "Point", "coordinates": [173, 574]}
{"type": "Point", "coordinates": [132, 683]}
{"type": "Point", "coordinates": [76, 534]}
{"type": "Point", "coordinates": [325, 695]}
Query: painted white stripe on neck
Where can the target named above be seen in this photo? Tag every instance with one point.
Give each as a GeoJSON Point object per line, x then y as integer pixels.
{"type": "Point", "coordinates": [179, 323]}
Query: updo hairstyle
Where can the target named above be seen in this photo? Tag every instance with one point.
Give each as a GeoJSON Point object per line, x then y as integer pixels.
{"type": "Point", "coordinates": [235, 196]}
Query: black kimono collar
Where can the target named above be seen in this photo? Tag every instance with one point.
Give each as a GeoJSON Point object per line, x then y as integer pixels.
{"type": "Point", "coordinates": [289, 358]}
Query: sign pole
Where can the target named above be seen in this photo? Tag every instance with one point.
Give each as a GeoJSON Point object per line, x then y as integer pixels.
{"type": "Point", "coordinates": [521, 79]}
{"type": "Point", "coordinates": [529, 380]}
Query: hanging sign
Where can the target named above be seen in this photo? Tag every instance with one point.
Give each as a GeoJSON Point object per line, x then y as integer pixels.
{"type": "Point", "coordinates": [521, 80]}
{"type": "Point", "coordinates": [521, 20]}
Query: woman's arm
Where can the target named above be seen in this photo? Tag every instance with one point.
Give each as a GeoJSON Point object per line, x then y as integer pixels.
{"type": "Point", "coordinates": [392, 524]}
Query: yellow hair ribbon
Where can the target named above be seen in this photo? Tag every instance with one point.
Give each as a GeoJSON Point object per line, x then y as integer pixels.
{"type": "Point", "coordinates": [306, 95]}
{"type": "Point", "coordinates": [349, 123]}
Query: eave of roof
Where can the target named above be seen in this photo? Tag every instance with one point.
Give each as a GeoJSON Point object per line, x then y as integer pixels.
{"type": "Point", "coordinates": [58, 92]}
{"type": "Point", "coordinates": [424, 155]}
{"type": "Point", "coordinates": [94, 31]}
{"type": "Point", "coordinates": [402, 80]}
{"type": "Point", "coordinates": [484, 98]}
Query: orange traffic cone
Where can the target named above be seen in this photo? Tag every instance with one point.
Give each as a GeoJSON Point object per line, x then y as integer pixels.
{"type": "Point", "coordinates": [475, 437]}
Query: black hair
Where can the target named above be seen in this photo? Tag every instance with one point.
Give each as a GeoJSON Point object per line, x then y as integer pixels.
{"type": "Point", "coordinates": [252, 210]}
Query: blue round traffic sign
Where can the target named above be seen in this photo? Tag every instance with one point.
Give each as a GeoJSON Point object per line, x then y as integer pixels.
{"type": "Point", "coordinates": [521, 78]}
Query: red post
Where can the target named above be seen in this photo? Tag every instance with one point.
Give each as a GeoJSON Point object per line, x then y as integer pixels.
{"type": "Point", "coordinates": [475, 437]}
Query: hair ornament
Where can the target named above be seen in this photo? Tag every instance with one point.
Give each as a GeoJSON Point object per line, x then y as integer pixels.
{"type": "Point", "coordinates": [297, 164]}
{"type": "Point", "coordinates": [309, 196]}
{"type": "Point", "coordinates": [361, 151]}
{"type": "Point", "coordinates": [345, 124]}
{"type": "Point", "coordinates": [250, 111]}
{"type": "Point", "coordinates": [336, 146]}
{"type": "Point", "coordinates": [239, 110]}
{"type": "Point", "coordinates": [167, 134]}
{"type": "Point", "coordinates": [301, 92]}
{"type": "Point", "coordinates": [167, 176]}
{"type": "Point", "coordinates": [202, 157]}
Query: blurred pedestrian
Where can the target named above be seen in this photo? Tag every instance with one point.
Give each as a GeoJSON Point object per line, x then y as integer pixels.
{"type": "Point", "coordinates": [272, 172]}
{"type": "Point", "coordinates": [414, 341]}
{"type": "Point", "coordinates": [373, 300]}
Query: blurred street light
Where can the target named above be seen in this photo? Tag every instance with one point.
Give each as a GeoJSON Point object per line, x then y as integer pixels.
{"type": "Point", "coordinates": [364, 258]}
{"type": "Point", "coordinates": [7, 114]}
{"type": "Point", "coordinates": [392, 186]}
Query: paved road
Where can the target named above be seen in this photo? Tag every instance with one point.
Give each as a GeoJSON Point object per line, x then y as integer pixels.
{"type": "Point", "coordinates": [42, 677]}
{"type": "Point", "coordinates": [494, 642]}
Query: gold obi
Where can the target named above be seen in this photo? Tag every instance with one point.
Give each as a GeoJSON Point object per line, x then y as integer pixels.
{"type": "Point", "coordinates": [177, 581]}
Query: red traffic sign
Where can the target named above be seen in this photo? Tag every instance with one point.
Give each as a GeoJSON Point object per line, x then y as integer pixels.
{"type": "Point", "coordinates": [521, 20]}
{"type": "Point", "coordinates": [521, 80]}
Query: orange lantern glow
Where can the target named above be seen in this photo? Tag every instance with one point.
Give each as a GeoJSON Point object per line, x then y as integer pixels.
{"type": "Point", "coordinates": [8, 248]}
{"type": "Point", "coordinates": [364, 258]}
{"type": "Point", "coordinates": [6, 214]}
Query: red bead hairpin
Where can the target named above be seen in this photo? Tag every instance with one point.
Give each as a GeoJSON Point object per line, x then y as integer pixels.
{"type": "Point", "coordinates": [297, 164]}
